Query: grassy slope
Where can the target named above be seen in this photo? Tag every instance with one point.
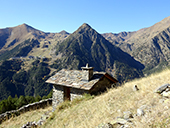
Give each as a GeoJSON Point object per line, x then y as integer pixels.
{"type": "Point", "coordinates": [17, 122]}
{"type": "Point", "coordinates": [106, 107]}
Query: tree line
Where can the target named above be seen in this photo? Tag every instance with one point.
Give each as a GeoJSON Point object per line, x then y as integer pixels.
{"type": "Point", "coordinates": [17, 102]}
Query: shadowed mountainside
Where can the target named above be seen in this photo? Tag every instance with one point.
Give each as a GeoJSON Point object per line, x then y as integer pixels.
{"type": "Point", "coordinates": [86, 45]}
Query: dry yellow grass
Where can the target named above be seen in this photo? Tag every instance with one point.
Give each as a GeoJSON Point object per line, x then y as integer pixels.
{"type": "Point", "coordinates": [17, 122]}
{"type": "Point", "coordinates": [106, 107]}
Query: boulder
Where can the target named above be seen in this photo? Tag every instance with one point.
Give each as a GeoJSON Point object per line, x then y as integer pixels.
{"type": "Point", "coordinates": [135, 88]}
{"type": "Point", "coordinates": [165, 94]}
{"type": "Point", "coordinates": [119, 121]}
{"type": "Point", "coordinates": [140, 112]}
{"type": "Point", "coordinates": [162, 88]}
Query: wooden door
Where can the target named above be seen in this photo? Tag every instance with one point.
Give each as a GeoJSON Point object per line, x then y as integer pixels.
{"type": "Point", "coordinates": [66, 93]}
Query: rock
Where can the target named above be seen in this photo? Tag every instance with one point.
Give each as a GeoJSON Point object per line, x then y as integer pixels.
{"type": "Point", "coordinates": [165, 94]}
{"type": "Point", "coordinates": [40, 122]}
{"type": "Point", "coordinates": [34, 123]}
{"type": "Point", "coordinates": [135, 88]}
{"type": "Point", "coordinates": [126, 126]}
{"type": "Point", "coordinates": [119, 121]}
{"type": "Point", "coordinates": [30, 125]}
{"type": "Point", "coordinates": [24, 126]}
{"type": "Point", "coordinates": [140, 112]}
{"type": "Point", "coordinates": [162, 88]}
{"type": "Point", "coordinates": [166, 107]}
{"type": "Point", "coordinates": [127, 115]}
{"type": "Point", "coordinates": [168, 89]}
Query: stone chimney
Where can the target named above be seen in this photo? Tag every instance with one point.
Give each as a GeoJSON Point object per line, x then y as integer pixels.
{"type": "Point", "coordinates": [87, 72]}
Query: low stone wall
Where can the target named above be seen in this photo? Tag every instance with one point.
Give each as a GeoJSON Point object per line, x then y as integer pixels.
{"type": "Point", "coordinates": [37, 105]}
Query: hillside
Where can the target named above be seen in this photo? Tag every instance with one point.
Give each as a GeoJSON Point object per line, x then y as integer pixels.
{"type": "Point", "coordinates": [150, 46]}
{"type": "Point", "coordinates": [107, 107]}
{"type": "Point", "coordinates": [17, 122]}
{"type": "Point", "coordinates": [24, 65]}
{"type": "Point", "coordinates": [15, 80]}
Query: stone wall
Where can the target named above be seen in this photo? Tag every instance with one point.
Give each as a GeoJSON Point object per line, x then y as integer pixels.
{"type": "Point", "coordinates": [75, 93]}
{"type": "Point", "coordinates": [58, 91]}
{"type": "Point", "coordinates": [87, 74]}
{"type": "Point", "coordinates": [41, 104]}
{"type": "Point", "coordinates": [57, 95]}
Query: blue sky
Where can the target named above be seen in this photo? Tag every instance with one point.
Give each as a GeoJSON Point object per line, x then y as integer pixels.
{"type": "Point", "coordinates": [103, 15]}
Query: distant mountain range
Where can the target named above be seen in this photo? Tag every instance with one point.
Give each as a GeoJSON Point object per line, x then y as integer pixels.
{"type": "Point", "coordinates": [126, 55]}
{"type": "Point", "coordinates": [150, 46]}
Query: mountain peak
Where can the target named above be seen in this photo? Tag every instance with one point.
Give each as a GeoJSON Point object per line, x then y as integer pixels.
{"type": "Point", "coordinates": [84, 28]}
{"type": "Point", "coordinates": [85, 25]}
{"type": "Point", "coordinates": [26, 26]}
{"type": "Point", "coordinates": [23, 25]}
{"type": "Point", "coordinates": [63, 32]}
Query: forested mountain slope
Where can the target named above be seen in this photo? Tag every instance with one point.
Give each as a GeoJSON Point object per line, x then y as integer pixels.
{"type": "Point", "coordinates": [86, 45]}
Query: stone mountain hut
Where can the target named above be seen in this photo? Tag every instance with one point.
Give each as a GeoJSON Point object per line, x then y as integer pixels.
{"type": "Point", "coordinates": [69, 84]}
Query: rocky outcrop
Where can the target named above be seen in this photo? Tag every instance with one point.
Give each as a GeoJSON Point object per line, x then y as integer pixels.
{"type": "Point", "coordinates": [37, 105]}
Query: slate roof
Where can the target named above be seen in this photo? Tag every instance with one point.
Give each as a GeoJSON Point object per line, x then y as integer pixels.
{"type": "Point", "coordinates": [74, 78]}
